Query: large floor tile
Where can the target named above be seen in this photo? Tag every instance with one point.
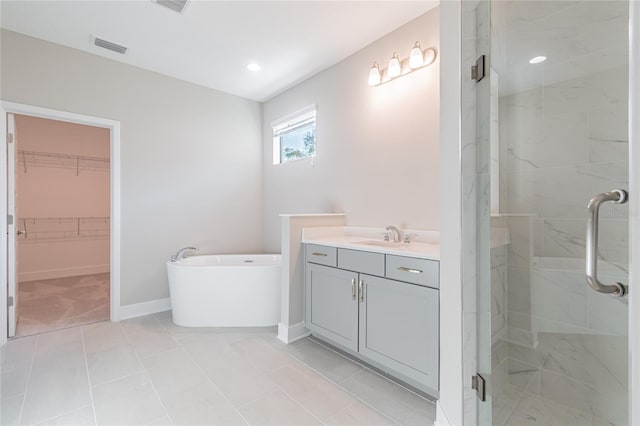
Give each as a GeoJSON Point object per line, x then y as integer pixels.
{"type": "Point", "coordinates": [128, 401]}
{"type": "Point", "coordinates": [235, 376]}
{"type": "Point", "coordinates": [13, 381]}
{"type": "Point", "coordinates": [58, 339]}
{"type": "Point", "coordinates": [325, 361]}
{"type": "Point", "coordinates": [358, 414]}
{"type": "Point", "coordinates": [17, 351]}
{"type": "Point", "coordinates": [10, 410]}
{"type": "Point", "coordinates": [241, 383]}
{"type": "Point", "coordinates": [202, 404]}
{"type": "Point", "coordinates": [173, 371]}
{"type": "Point", "coordinates": [143, 324]}
{"type": "Point", "coordinates": [277, 409]}
{"type": "Point", "coordinates": [81, 417]}
{"type": "Point", "coordinates": [111, 364]}
{"type": "Point", "coordinates": [317, 394]}
{"type": "Point", "coordinates": [259, 353]}
{"type": "Point", "coordinates": [536, 410]}
{"type": "Point", "coordinates": [65, 355]}
{"type": "Point", "coordinates": [392, 400]}
{"type": "Point", "coordinates": [162, 421]}
{"type": "Point", "coordinates": [504, 403]}
{"type": "Point", "coordinates": [56, 392]}
{"type": "Point", "coordinates": [103, 336]}
{"type": "Point", "coordinates": [150, 343]}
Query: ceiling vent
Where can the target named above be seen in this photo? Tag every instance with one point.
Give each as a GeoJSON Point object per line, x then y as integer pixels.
{"type": "Point", "coordinates": [175, 5]}
{"type": "Point", "coordinates": [108, 45]}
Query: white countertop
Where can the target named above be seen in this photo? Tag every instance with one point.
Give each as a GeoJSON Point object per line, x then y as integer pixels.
{"type": "Point", "coordinates": [425, 244]}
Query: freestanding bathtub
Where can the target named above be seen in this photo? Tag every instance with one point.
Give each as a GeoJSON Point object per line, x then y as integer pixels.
{"type": "Point", "coordinates": [225, 290]}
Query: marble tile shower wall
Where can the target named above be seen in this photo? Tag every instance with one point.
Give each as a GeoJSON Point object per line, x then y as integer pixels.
{"type": "Point", "coordinates": [564, 143]}
{"type": "Point", "coordinates": [561, 144]}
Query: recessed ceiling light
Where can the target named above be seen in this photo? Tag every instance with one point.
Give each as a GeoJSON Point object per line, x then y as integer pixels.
{"type": "Point", "coordinates": [537, 59]}
{"type": "Point", "coordinates": [253, 67]}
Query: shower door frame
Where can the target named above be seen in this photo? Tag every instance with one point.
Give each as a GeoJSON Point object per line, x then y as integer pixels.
{"type": "Point", "coordinates": [634, 211]}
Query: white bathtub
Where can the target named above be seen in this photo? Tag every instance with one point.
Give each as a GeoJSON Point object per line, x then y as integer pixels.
{"type": "Point", "coordinates": [225, 290]}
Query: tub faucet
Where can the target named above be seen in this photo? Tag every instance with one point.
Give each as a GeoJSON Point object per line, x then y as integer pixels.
{"type": "Point", "coordinates": [395, 231]}
{"type": "Point", "coordinates": [182, 253]}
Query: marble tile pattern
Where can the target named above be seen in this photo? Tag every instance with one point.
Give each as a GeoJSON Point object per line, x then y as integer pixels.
{"type": "Point", "coordinates": [566, 142]}
{"type": "Point", "coordinates": [148, 371]}
{"type": "Point", "coordinates": [53, 304]}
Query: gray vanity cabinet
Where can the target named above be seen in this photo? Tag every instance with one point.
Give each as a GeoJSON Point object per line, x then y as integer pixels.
{"type": "Point", "coordinates": [332, 305]}
{"type": "Point", "coordinates": [399, 328]}
{"type": "Point", "coordinates": [382, 308]}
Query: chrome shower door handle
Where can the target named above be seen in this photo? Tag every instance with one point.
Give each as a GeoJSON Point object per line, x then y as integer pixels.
{"type": "Point", "coordinates": [618, 196]}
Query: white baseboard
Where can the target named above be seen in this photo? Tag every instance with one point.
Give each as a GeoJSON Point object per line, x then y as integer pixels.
{"type": "Point", "coordinates": [145, 308]}
{"type": "Point", "coordinates": [441, 416]}
{"type": "Point", "coordinates": [292, 333]}
{"type": "Point", "coordinates": [61, 273]}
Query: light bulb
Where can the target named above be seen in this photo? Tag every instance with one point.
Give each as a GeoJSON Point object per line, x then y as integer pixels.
{"type": "Point", "coordinates": [394, 66]}
{"type": "Point", "coordinates": [374, 75]}
{"type": "Point", "coordinates": [253, 67]}
{"type": "Point", "coordinates": [416, 60]}
{"type": "Point", "coordinates": [537, 59]}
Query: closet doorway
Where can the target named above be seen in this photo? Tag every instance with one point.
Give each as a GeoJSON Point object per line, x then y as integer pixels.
{"type": "Point", "coordinates": [62, 223]}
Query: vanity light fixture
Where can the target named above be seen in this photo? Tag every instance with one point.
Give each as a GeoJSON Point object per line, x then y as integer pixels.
{"type": "Point", "coordinates": [394, 66]}
{"type": "Point", "coordinates": [374, 75]}
{"type": "Point", "coordinates": [417, 59]}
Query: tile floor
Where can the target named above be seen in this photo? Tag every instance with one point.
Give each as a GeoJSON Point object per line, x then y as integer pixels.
{"type": "Point", "coordinates": [519, 407]}
{"type": "Point", "coordinates": [47, 305]}
{"type": "Point", "coordinates": [148, 371]}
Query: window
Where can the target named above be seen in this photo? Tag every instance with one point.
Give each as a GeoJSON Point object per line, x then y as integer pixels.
{"type": "Point", "coordinates": [294, 136]}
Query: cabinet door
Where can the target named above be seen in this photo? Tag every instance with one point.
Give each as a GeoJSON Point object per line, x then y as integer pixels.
{"type": "Point", "coordinates": [332, 304]}
{"type": "Point", "coordinates": [399, 329]}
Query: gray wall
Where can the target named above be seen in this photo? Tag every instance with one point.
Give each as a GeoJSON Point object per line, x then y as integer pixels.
{"type": "Point", "coordinates": [377, 147]}
{"type": "Point", "coordinates": [191, 156]}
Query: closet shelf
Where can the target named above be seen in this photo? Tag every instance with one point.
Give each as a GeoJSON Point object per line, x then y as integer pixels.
{"type": "Point", "coordinates": [38, 229]}
{"type": "Point", "coordinates": [27, 159]}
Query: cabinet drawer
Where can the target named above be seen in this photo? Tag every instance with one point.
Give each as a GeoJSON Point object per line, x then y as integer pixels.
{"type": "Point", "coordinates": [321, 254]}
{"type": "Point", "coordinates": [361, 261]}
{"type": "Point", "coordinates": [409, 269]}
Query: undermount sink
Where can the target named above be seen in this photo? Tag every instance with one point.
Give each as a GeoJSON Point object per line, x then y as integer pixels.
{"type": "Point", "coordinates": [381, 243]}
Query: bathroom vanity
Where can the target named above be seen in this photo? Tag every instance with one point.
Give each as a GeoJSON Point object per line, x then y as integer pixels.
{"type": "Point", "coordinates": [378, 302]}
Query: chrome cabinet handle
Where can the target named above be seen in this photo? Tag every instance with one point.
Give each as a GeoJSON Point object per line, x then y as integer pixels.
{"type": "Point", "coordinates": [618, 196]}
{"type": "Point", "coordinates": [319, 254]}
{"type": "Point", "coordinates": [353, 289]}
{"type": "Point", "coordinates": [413, 271]}
{"type": "Point", "coordinates": [361, 291]}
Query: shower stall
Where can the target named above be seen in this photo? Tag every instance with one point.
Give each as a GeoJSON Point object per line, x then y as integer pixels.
{"type": "Point", "coordinates": [545, 133]}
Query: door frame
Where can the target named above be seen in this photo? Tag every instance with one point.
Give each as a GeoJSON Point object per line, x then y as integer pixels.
{"type": "Point", "coordinates": [115, 240]}
{"type": "Point", "coordinates": [634, 212]}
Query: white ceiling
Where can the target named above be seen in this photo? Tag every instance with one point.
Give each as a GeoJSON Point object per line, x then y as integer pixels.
{"type": "Point", "coordinates": [211, 42]}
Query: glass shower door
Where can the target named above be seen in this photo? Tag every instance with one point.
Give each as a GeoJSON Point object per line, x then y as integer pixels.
{"type": "Point", "coordinates": [551, 133]}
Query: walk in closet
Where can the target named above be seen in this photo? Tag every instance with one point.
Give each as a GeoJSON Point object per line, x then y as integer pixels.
{"type": "Point", "coordinates": [63, 224]}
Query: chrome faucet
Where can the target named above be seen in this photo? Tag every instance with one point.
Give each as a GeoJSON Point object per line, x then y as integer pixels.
{"type": "Point", "coordinates": [182, 253]}
{"type": "Point", "coordinates": [395, 231]}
